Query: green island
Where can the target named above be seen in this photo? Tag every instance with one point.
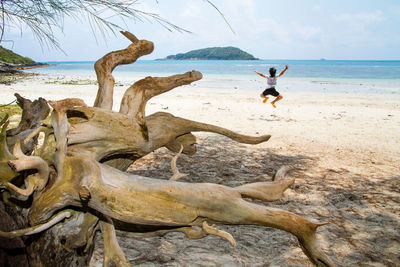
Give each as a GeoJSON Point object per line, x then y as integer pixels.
{"type": "Point", "coordinates": [12, 64]}
{"type": "Point", "coordinates": [8, 56]}
{"type": "Point", "coordinates": [213, 53]}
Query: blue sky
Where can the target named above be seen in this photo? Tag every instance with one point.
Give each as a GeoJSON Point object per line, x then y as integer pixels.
{"type": "Point", "coordinates": [285, 29]}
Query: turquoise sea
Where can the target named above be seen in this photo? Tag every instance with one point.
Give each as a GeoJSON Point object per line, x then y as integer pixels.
{"type": "Point", "coordinates": [360, 76]}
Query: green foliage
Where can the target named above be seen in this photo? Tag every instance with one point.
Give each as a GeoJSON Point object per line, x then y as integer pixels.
{"type": "Point", "coordinates": [8, 79]}
{"type": "Point", "coordinates": [10, 110]}
{"type": "Point", "coordinates": [214, 53]}
{"type": "Point", "coordinates": [9, 56]}
{"type": "Point", "coordinates": [72, 82]}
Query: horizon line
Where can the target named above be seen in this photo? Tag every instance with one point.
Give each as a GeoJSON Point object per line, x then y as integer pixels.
{"type": "Point", "coordinates": [322, 59]}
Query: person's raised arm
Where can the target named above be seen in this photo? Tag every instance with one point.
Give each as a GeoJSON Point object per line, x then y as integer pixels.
{"type": "Point", "coordinates": [280, 74]}
{"type": "Point", "coordinates": [262, 75]}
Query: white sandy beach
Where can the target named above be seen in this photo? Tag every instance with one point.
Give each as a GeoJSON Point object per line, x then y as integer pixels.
{"type": "Point", "coordinates": [361, 125]}
{"type": "Point", "coordinates": [346, 145]}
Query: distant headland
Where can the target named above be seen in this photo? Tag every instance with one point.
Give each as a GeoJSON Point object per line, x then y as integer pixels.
{"type": "Point", "coordinates": [11, 62]}
{"type": "Point", "coordinates": [213, 53]}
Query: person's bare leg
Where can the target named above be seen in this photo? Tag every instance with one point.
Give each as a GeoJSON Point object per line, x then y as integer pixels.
{"type": "Point", "coordinates": [265, 97]}
{"type": "Point", "coordinates": [279, 97]}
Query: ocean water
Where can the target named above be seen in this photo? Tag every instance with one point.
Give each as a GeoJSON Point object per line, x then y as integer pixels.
{"type": "Point", "coordinates": [355, 76]}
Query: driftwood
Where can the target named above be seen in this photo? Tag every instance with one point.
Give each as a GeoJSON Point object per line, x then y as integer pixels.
{"type": "Point", "coordinates": [32, 115]}
{"type": "Point", "coordinates": [77, 176]}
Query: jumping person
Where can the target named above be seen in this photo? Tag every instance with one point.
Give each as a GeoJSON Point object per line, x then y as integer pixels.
{"type": "Point", "coordinates": [271, 81]}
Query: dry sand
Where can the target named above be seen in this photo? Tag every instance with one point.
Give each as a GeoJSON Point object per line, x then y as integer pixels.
{"type": "Point", "coordinates": [347, 149]}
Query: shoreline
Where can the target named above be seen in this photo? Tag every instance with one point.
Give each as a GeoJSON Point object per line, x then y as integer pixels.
{"type": "Point", "coordinates": [234, 83]}
{"type": "Point", "coordinates": [10, 68]}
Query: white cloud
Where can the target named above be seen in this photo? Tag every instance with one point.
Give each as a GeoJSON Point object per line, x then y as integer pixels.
{"type": "Point", "coordinates": [240, 7]}
{"type": "Point", "coordinates": [191, 11]}
{"type": "Point", "coordinates": [361, 19]}
{"type": "Point", "coordinates": [357, 30]}
{"type": "Point", "coordinates": [306, 32]}
{"type": "Point", "coordinates": [316, 8]}
{"type": "Point", "coordinates": [274, 31]}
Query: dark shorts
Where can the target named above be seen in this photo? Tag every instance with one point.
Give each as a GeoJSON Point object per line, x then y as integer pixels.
{"type": "Point", "coordinates": [270, 91]}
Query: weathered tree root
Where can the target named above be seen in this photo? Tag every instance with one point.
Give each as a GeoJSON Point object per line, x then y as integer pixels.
{"type": "Point", "coordinates": [37, 131]}
{"type": "Point", "coordinates": [106, 65]}
{"type": "Point", "coordinates": [87, 229]}
{"type": "Point", "coordinates": [61, 127]}
{"type": "Point", "coordinates": [6, 173]}
{"type": "Point", "coordinates": [176, 174]}
{"type": "Point", "coordinates": [32, 115]}
{"type": "Point", "coordinates": [268, 191]}
{"type": "Point", "coordinates": [108, 138]}
{"type": "Point", "coordinates": [189, 232]}
{"type": "Point", "coordinates": [214, 231]}
{"type": "Point", "coordinates": [33, 182]}
{"type": "Point", "coordinates": [112, 250]}
{"type": "Point", "coordinates": [37, 228]}
{"type": "Point", "coordinates": [135, 98]}
{"type": "Point", "coordinates": [112, 193]}
{"type": "Point", "coordinates": [175, 126]}
{"type": "Point", "coordinates": [187, 141]}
